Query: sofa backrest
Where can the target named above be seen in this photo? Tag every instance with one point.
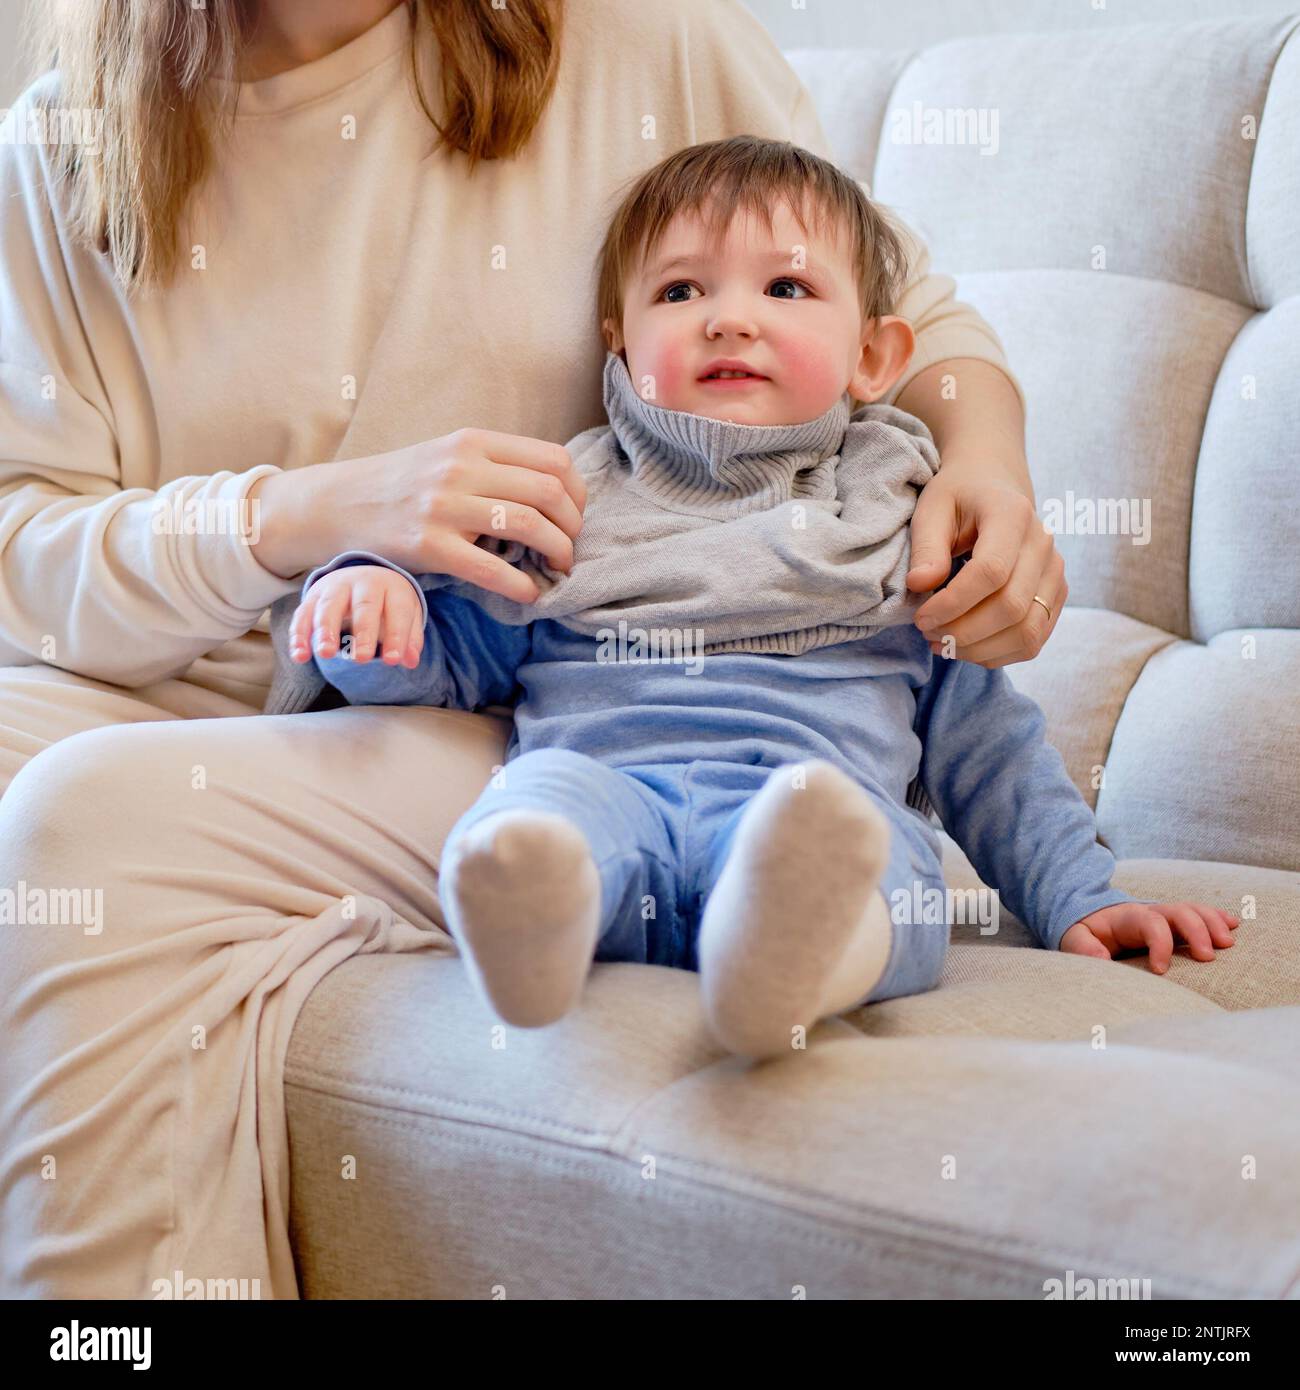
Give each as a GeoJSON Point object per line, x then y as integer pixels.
{"type": "Point", "coordinates": [1124, 208]}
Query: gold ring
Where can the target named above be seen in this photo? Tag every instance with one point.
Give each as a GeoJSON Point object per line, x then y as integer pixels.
{"type": "Point", "coordinates": [1046, 609]}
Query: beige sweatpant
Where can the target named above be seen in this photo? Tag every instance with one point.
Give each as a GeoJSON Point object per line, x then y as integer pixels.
{"type": "Point", "coordinates": [236, 860]}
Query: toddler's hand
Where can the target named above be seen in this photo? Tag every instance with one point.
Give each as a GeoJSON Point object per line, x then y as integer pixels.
{"type": "Point", "coordinates": [372, 601]}
{"type": "Point", "coordinates": [1127, 926]}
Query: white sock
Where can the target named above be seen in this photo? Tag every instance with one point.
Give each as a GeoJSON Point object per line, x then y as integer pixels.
{"type": "Point", "coordinates": [795, 929]}
{"type": "Point", "coordinates": [522, 899]}
{"type": "Point", "coordinates": [866, 953]}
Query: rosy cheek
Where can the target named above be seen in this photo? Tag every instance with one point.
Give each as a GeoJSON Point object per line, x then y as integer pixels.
{"type": "Point", "coordinates": [807, 366]}
{"type": "Point", "coordinates": [670, 378]}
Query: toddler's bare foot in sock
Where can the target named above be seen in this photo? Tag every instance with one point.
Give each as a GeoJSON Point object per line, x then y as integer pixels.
{"type": "Point", "coordinates": [795, 928]}
{"type": "Point", "coordinates": [522, 898]}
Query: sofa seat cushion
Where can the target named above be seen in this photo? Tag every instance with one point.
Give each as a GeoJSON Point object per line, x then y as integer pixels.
{"type": "Point", "coordinates": [1257, 1038]}
{"type": "Point", "coordinates": [618, 1154]}
{"type": "Point", "coordinates": [1034, 994]}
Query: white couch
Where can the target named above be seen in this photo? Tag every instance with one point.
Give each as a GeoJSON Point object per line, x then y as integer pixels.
{"type": "Point", "coordinates": [1039, 1113]}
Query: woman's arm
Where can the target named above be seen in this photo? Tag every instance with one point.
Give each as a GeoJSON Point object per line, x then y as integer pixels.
{"type": "Point", "coordinates": [132, 584]}
{"type": "Point", "coordinates": [97, 578]}
{"type": "Point", "coordinates": [972, 406]}
{"type": "Point", "coordinates": [982, 500]}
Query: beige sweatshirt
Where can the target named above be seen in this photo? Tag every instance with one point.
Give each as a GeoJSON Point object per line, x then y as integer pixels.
{"type": "Point", "coordinates": [345, 297]}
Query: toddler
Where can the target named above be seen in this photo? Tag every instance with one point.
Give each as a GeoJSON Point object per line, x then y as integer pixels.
{"type": "Point", "coordinates": [721, 707]}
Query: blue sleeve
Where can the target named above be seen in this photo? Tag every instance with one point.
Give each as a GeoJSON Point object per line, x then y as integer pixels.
{"type": "Point", "coordinates": [469, 659]}
{"type": "Point", "coordinates": [1003, 793]}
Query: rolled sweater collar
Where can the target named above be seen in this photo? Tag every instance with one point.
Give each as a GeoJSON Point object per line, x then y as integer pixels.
{"type": "Point", "coordinates": [717, 465]}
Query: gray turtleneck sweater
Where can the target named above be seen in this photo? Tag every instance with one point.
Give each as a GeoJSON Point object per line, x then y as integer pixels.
{"type": "Point", "coordinates": [757, 538]}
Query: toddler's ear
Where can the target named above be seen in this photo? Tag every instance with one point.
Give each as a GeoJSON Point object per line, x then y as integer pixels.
{"type": "Point", "coordinates": [885, 355]}
{"type": "Point", "coordinates": [613, 336]}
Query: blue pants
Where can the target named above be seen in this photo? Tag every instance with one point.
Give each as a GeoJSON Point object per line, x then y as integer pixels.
{"type": "Point", "coordinates": [660, 834]}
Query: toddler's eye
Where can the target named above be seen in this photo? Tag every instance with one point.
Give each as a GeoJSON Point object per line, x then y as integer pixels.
{"type": "Point", "coordinates": [797, 285]}
{"type": "Point", "coordinates": [678, 285]}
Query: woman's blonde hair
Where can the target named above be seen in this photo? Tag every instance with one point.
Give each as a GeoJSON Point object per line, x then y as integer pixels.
{"type": "Point", "coordinates": [751, 173]}
{"type": "Point", "coordinates": [146, 65]}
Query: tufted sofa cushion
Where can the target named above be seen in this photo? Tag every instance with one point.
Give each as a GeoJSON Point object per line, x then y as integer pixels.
{"type": "Point", "coordinates": [1132, 232]}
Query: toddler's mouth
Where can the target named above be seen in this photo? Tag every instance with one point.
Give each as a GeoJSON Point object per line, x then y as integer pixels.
{"type": "Point", "coordinates": [730, 373]}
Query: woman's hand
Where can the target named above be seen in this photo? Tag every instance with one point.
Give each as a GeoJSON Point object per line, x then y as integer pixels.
{"type": "Point", "coordinates": [375, 604]}
{"type": "Point", "coordinates": [987, 614]}
{"type": "Point", "coordinates": [1132, 926]}
{"type": "Point", "coordinates": [424, 506]}
{"type": "Point", "coordinates": [981, 499]}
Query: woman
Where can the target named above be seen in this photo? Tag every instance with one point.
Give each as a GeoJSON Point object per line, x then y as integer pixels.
{"type": "Point", "coordinates": [273, 257]}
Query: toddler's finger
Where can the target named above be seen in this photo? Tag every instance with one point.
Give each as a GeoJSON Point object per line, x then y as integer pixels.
{"type": "Point", "coordinates": [1159, 940]}
{"type": "Point", "coordinates": [300, 628]}
{"type": "Point", "coordinates": [1085, 943]}
{"type": "Point", "coordinates": [1219, 923]}
{"type": "Point", "coordinates": [414, 638]}
{"type": "Point", "coordinates": [367, 614]}
{"type": "Point", "coordinates": [396, 624]}
{"type": "Point", "coordinates": [331, 609]}
{"type": "Point", "coordinates": [1192, 929]}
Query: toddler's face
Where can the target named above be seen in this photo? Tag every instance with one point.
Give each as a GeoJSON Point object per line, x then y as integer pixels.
{"type": "Point", "coordinates": [784, 305]}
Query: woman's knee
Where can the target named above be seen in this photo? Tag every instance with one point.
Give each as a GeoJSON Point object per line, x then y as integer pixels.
{"type": "Point", "coordinates": [63, 823]}
{"type": "Point", "coordinates": [107, 807]}
{"type": "Point", "coordinates": [171, 819]}
{"type": "Point", "coordinates": [71, 795]}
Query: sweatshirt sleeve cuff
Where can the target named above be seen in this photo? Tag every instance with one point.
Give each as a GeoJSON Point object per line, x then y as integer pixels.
{"type": "Point", "coordinates": [228, 566]}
